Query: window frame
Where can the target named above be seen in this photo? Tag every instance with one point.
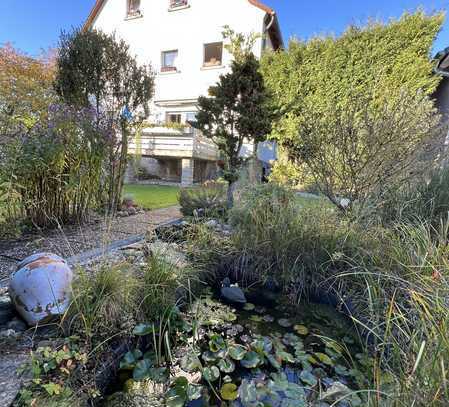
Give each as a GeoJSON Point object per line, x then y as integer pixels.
{"type": "Point", "coordinates": [220, 62]}
{"type": "Point", "coordinates": [168, 114]}
{"type": "Point", "coordinates": [167, 68]}
{"type": "Point", "coordinates": [136, 13]}
{"type": "Point", "coordinates": [173, 4]}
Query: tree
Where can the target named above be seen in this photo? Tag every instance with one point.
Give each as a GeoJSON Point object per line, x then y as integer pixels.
{"type": "Point", "coordinates": [96, 70]}
{"type": "Point", "coordinates": [236, 112]}
{"type": "Point", "coordinates": [354, 111]}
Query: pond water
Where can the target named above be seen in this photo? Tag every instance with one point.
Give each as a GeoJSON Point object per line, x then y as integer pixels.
{"type": "Point", "coordinates": [281, 356]}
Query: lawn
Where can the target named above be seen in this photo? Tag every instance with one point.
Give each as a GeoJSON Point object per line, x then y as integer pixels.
{"type": "Point", "coordinates": [153, 196]}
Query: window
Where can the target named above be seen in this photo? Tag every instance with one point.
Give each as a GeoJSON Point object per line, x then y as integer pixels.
{"type": "Point", "coordinates": [178, 3]}
{"type": "Point", "coordinates": [133, 8]}
{"type": "Point", "coordinates": [174, 118]}
{"type": "Point", "coordinates": [169, 60]}
{"type": "Point", "coordinates": [213, 54]}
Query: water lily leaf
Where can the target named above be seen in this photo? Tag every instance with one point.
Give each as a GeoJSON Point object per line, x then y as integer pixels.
{"type": "Point", "coordinates": [341, 370]}
{"type": "Point", "coordinates": [285, 323]}
{"type": "Point", "coordinates": [301, 330]}
{"type": "Point", "coordinates": [237, 352]}
{"type": "Point", "coordinates": [256, 318]}
{"type": "Point", "coordinates": [194, 392]}
{"type": "Point", "coordinates": [142, 369]}
{"type": "Point", "coordinates": [211, 374]}
{"type": "Point", "coordinates": [226, 365]}
{"type": "Point", "coordinates": [277, 364]}
{"type": "Point", "coordinates": [177, 395]}
{"type": "Point", "coordinates": [291, 339]}
{"type": "Point", "coordinates": [248, 393]}
{"type": "Point", "coordinates": [324, 359]}
{"type": "Point", "coordinates": [249, 307]}
{"type": "Point", "coordinates": [209, 356]}
{"type": "Point", "coordinates": [230, 317]}
{"type": "Point", "coordinates": [308, 378]}
{"type": "Point", "coordinates": [190, 362]}
{"type": "Point", "coordinates": [217, 343]}
{"type": "Point", "coordinates": [251, 360]}
{"type": "Point", "coordinates": [130, 359]}
{"type": "Point", "coordinates": [268, 318]}
{"type": "Point", "coordinates": [229, 392]}
{"type": "Point", "coordinates": [144, 329]}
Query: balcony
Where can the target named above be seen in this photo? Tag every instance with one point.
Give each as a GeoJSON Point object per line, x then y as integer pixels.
{"type": "Point", "coordinates": [165, 142]}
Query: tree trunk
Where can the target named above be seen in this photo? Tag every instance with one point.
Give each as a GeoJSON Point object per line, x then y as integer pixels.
{"type": "Point", "coordinates": [230, 194]}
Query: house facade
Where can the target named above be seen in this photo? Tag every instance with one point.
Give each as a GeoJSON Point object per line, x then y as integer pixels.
{"type": "Point", "coordinates": [182, 40]}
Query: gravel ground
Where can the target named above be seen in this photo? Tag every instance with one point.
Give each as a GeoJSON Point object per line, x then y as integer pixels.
{"type": "Point", "coordinates": [76, 239]}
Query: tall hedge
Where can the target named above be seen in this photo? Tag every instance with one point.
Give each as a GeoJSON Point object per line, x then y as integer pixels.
{"type": "Point", "coordinates": [327, 87]}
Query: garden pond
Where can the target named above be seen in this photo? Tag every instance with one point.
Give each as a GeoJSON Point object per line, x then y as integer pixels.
{"type": "Point", "coordinates": [285, 356]}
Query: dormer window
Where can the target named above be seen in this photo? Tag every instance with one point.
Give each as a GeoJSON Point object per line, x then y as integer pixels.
{"type": "Point", "coordinates": [178, 3]}
{"type": "Point", "coordinates": [133, 9]}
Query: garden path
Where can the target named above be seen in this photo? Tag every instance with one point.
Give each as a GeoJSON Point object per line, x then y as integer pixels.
{"type": "Point", "coordinates": [71, 240]}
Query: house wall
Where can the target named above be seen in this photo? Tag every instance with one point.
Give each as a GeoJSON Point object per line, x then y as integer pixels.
{"type": "Point", "coordinates": [442, 102]}
{"type": "Point", "coordinates": [185, 30]}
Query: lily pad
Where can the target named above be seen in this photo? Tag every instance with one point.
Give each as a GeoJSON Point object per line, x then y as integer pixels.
{"type": "Point", "coordinates": [229, 392]}
{"type": "Point", "coordinates": [190, 362]}
{"type": "Point", "coordinates": [143, 329]}
{"type": "Point", "coordinates": [324, 359]}
{"type": "Point", "coordinates": [226, 365]}
{"type": "Point", "coordinates": [251, 360]}
{"type": "Point", "coordinates": [217, 343]}
{"type": "Point", "coordinates": [177, 395]}
{"type": "Point", "coordinates": [194, 392]}
{"type": "Point", "coordinates": [268, 318]}
{"type": "Point", "coordinates": [256, 318]}
{"type": "Point", "coordinates": [301, 330]}
{"type": "Point", "coordinates": [249, 307]}
{"type": "Point", "coordinates": [237, 352]}
{"type": "Point", "coordinates": [130, 359]}
{"type": "Point", "coordinates": [285, 323]}
{"type": "Point", "coordinates": [211, 374]}
{"type": "Point", "coordinates": [209, 356]}
{"type": "Point", "coordinates": [308, 378]}
{"type": "Point", "coordinates": [141, 371]}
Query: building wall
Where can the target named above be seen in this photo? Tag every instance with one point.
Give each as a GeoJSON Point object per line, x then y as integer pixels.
{"type": "Point", "coordinates": [185, 30]}
{"type": "Point", "coordinates": [442, 101]}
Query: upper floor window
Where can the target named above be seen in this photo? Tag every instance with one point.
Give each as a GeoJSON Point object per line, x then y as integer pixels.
{"type": "Point", "coordinates": [169, 61]}
{"type": "Point", "coordinates": [178, 3]}
{"type": "Point", "coordinates": [133, 8]}
{"type": "Point", "coordinates": [213, 54]}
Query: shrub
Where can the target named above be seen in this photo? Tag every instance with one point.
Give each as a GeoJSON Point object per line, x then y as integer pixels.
{"type": "Point", "coordinates": [207, 200]}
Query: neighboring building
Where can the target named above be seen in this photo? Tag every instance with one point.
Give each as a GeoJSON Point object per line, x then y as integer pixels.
{"type": "Point", "coordinates": [182, 40]}
{"type": "Point", "coordinates": [442, 93]}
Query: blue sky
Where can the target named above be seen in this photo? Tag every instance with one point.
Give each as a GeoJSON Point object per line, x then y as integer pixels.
{"type": "Point", "coordinates": [36, 24]}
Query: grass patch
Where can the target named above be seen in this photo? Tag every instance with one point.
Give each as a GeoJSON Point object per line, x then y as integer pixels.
{"type": "Point", "coordinates": [153, 196]}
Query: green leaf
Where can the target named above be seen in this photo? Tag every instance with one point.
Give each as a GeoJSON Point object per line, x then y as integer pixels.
{"type": "Point", "coordinates": [211, 374]}
{"type": "Point", "coordinates": [308, 378]}
{"type": "Point", "coordinates": [177, 396]}
{"type": "Point", "coordinates": [251, 360]}
{"type": "Point", "coordinates": [226, 365]}
{"type": "Point", "coordinates": [194, 392]}
{"type": "Point", "coordinates": [130, 359]}
{"type": "Point", "coordinates": [249, 307]}
{"type": "Point", "coordinates": [190, 362]}
{"type": "Point", "coordinates": [142, 369]}
{"type": "Point", "coordinates": [217, 343]}
{"type": "Point", "coordinates": [301, 330]}
{"type": "Point", "coordinates": [229, 392]}
{"type": "Point", "coordinates": [143, 329]}
{"type": "Point", "coordinates": [237, 352]}
{"type": "Point", "coordinates": [324, 359]}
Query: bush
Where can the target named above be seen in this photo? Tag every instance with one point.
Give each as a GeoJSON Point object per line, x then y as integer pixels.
{"type": "Point", "coordinates": [207, 200]}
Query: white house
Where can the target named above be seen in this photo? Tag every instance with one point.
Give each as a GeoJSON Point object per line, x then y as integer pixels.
{"type": "Point", "coordinates": [182, 40]}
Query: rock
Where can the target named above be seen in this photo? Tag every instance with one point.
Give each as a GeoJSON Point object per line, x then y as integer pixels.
{"type": "Point", "coordinates": [8, 333]}
{"type": "Point", "coordinates": [40, 289]}
{"type": "Point", "coordinates": [10, 380]}
{"type": "Point", "coordinates": [122, 214]}
{"type": "Point", "coordinates": [6, 310]}
{"type": "Point", "coordinates": [212, 224]}
{"type": "Point", "coordinates": [232, 294]}
{"type": "Point", "coordinates": [132, 211]}
{"type": "Point", "coordinates": [17, 325]}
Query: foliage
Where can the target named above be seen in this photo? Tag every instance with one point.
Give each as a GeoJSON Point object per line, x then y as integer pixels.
{"type": "Point", "coordinates": [354, 110]}
{"type": "Point", "coordinates": [53, 376]}
{"type": "Point", "coordinates": [236, 112]}
{"type": "Point", "coordinates": [25, 90]}
{"type": "Point", "coordinates": [206, 200]}
{"type": "Point", "coordinates": [239, 45]}
{"type": "Point", "coordinates": [97, 71]}
{"type": "Point", "coordinates": [55, 167]}
{"type": "Point", "coordinates": [103, 304]}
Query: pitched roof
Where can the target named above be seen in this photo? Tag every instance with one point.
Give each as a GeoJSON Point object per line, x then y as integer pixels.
{"type": "Point", "coordinates": [442, 62]}
{"type": "Point", "coordinates": [274, 31]}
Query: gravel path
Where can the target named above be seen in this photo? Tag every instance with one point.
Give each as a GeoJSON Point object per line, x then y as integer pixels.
{"type": "Point", "coordinates": [72, 240]}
